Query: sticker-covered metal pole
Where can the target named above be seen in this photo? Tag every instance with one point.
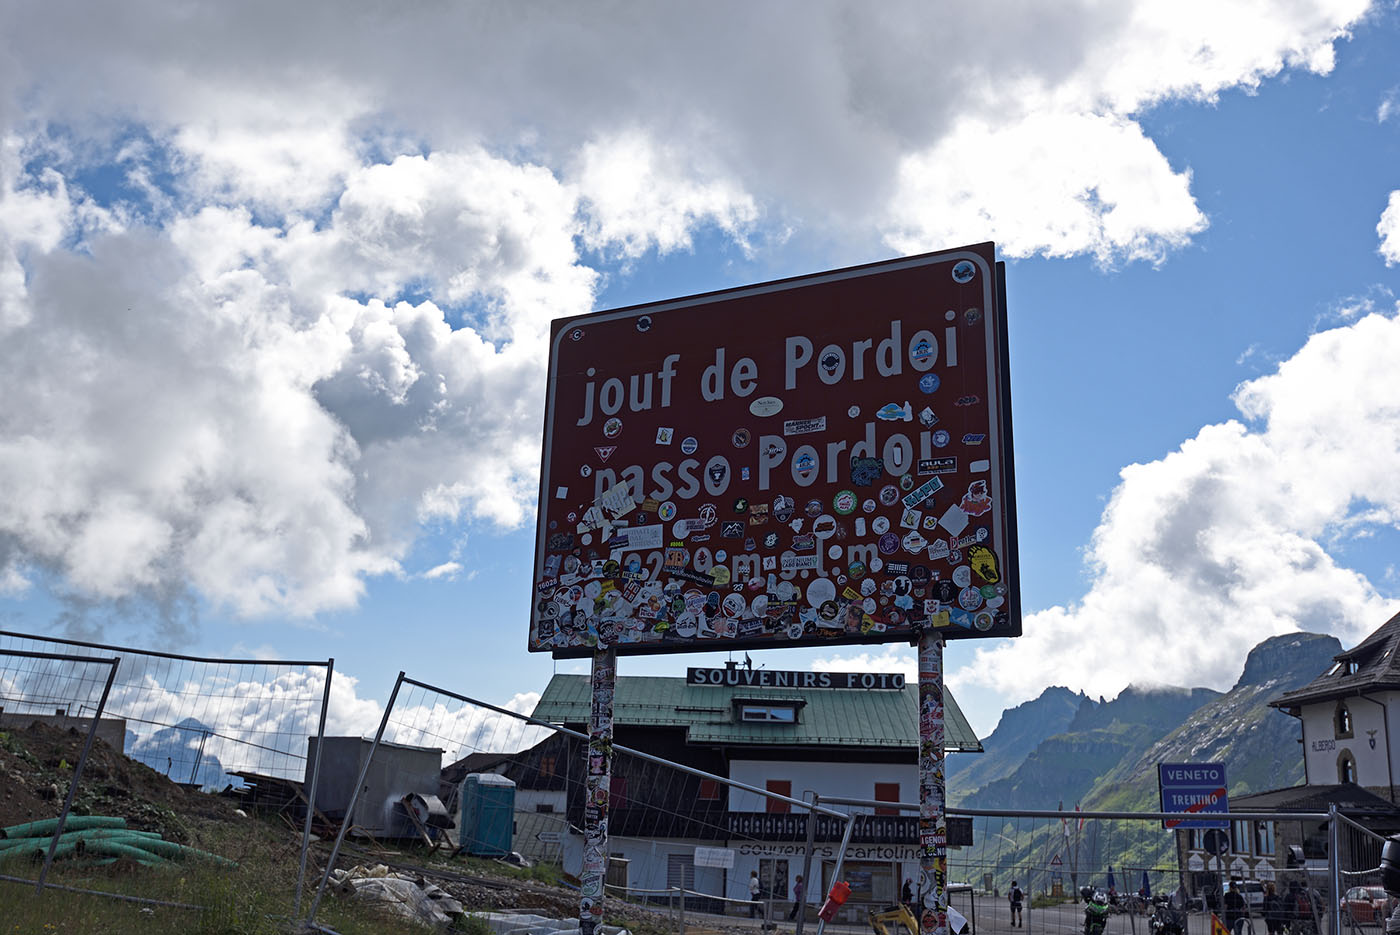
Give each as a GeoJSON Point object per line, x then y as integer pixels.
{"type": "Point", "coordinates": [933, 820]}
{"type": "Point", "coordinates": [596, 789]}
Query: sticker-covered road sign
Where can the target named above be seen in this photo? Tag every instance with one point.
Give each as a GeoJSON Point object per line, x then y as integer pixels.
{"type": "Point", "coordinates": [818, 460]}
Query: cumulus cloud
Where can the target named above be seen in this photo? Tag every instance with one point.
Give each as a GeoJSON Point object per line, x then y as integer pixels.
{"type": "Point", "coordinates": [1233, 537]}
{"type": "Point", "coordinates": [304, 313]}
{"type": "Point", "coordinates": [1389, 230]}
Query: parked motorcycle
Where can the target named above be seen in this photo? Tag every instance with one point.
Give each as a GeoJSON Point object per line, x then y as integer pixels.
{"type": "Point", "coordinates": [1166, 920]}
{"type": "Point", "coordinates": [1095, 910]}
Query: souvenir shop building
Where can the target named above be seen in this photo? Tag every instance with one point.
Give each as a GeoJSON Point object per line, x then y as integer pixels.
{"type": "Point", "coordinates": [839, 735]}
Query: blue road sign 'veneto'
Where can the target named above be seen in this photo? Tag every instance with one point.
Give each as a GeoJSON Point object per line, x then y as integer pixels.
{"type": "Point", "coordinates": [1193, 787]}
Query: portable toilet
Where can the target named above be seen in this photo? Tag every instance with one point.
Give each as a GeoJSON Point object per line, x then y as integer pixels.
{"type": "Point", "coordinates": [487, 828]}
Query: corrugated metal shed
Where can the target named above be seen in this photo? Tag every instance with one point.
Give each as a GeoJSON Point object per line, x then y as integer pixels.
{"type": "Point", "coordinates": [828, 716]}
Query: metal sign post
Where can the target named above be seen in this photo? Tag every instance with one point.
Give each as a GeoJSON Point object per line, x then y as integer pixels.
{"type": "Point", "coordinates": [933, 820]}
{"type": "Point", "coordinates": [596, 790]}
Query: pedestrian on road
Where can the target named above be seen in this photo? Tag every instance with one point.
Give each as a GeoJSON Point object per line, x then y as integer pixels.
{"type": "Point", "coordinates": [755, 888]}
{"type": "Point", "coordinates": [796, 898]}
{"type": "Point", "coordinates": [1016, 897]}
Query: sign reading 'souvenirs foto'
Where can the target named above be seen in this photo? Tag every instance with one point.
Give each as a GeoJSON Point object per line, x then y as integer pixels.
{"type": "Point", "coordinates": [813, 461]}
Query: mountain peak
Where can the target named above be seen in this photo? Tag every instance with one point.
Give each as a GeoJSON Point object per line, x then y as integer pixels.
{"type": "Point", "coordinates": [1277, 657]}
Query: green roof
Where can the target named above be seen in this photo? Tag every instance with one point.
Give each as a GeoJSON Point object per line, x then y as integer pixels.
{"type": "Point", "coordinates": [828, 717]}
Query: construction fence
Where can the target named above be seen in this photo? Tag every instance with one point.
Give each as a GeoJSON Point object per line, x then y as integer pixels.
{"type": "Point", "coordinates": [444, 774]}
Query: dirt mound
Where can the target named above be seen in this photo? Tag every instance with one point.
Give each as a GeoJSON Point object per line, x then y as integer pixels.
{"type": "Point", "coordinates": [36, 767]}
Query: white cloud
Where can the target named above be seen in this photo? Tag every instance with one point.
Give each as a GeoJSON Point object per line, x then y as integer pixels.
{"type": "Point", "coordinates": [641, 195]}
{"type": "Point", "coordinates": [448, 570]}
{"type": "Point", "coordinates": [1389, 105]}
{"type": "Point", "coordinates": [1052, 184]}
{"type": "Point", "coordinates": [1389, 229]}
{"type": "Point", "coordinates": [1225, 541]}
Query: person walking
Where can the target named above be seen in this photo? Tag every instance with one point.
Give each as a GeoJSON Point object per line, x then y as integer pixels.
{"type": "Point", "coordinates": [755, 890]}
{"type": "Point", "coordinates": [1016, 898]}
{"type": "Point", "coordinates": [906, 895]}
{"type": "Point", "coordinates": [796, 898]}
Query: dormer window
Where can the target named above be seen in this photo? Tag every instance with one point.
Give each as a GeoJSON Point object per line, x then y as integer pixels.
{"type": "Point", "coordinates": [1353, 666]}
{"type": "Point", "coordinates": [1341, 721]}
{"type": "Point", "coordinates": [773, 712]}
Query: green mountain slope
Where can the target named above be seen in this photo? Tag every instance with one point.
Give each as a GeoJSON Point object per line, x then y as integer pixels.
{"type": "Point", "coordinates": [1019, 732]}
{"type": "Point", "coordinates": [1106, 760]}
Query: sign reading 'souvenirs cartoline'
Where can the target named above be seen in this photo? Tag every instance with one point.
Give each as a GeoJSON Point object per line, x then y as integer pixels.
{"type": "Point", "coordinates": [817, 460]}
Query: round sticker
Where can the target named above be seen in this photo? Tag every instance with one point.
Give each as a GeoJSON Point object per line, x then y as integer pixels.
{"type": "Point", "coordinates": [821, 592]}
{"type": "Point", "coordinates": [770, 541]}
{"type": "Point", "coordinates": [721, 555]}
{"type": "Point", "coordinates": [613, 427]}
{"type": "Point", "coordinates": [688, 445]}
{"type": "Point", "coordinates": [889, 494]}
{"type": "Point", "coordinates": [667, 511]}
{"type": "Point", "coordinates": [813, 508]}
{"type": "Point", "coordinates": [963, 271]}
{"type": "Point", "coordinates": [867, 587]}
{"type": "Point", "coordinates": [867, 505]}
{"type": "Point", "coordinates": [586, 471]}
{"type": "Point", "coordinates": [759, 605]}
{"type": "Point", "coordinates": [644, 324]}
{"type": "Point", "coordinates": [834, 552]}
{"type": "Point", "coordinates": [720, 574]}
{"type": "Point", "coordinates": [941, 438]}
{"type": "Point", "coordinates": [824, 526]}
{"type": "Point", "coordinates": [962, 576]}
{"type": "Point", "coordinates": [929, 382]}
{"type": "Point", "coordinates": [853, 412]}
{"type": "Point", "coordinates": [828, 610]}
{"type": "Point", "coordinates": [844, 502]}
{"type": "Point", "coordinates": [880, 525]}
{"type": "Point", "coordinates": [741, 438]}
{"type": "Point", "coordinates": [906, 482]}
{"type": "Point", "coordinates": [869, 605]}
{"type": "Point", "coordinates": [576, 334]}
{"type": "Point", "coordinates": [681, 529]}
{"type": "Point", "coordinates": [876, 563]}
{"type": "Point", "coordinates": [973, 315]}
{"type": "Point", "coordinates": [982, 621]}
{"type": "Point", "coordinates": [794, 630]}
{"type": "Point", "coordinates": [783, 508]}
{"type": "Point", "coordinates": [969, 598]}
{"type": "Point", "coordinates": [785, 590]}
{"type": "Point", "coordinates": [888, 544]}
{"type": "Point", "coordinates": [685, 625]}
{"type": "Point", "coordinates": [734, 605]}
{"type": "Point", "coordinates": [766, 406]}
{"type": "Point", "coordinates": [857, 570]}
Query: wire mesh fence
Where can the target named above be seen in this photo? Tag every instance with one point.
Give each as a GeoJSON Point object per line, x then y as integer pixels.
{"type": "Point", "coordinates": [198, 721]}
{"type": "Point", "coordinates": [58, 680]}
{"type": "Point", "coordinates": [714, 827]}
{"type": "Point", "coordinates": [1259, 873]}
{"type": "Point", "coordinates": [191, 725]}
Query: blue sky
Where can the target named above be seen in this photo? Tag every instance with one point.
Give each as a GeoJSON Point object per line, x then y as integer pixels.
{"type": "Point", "coordinates": [273, 306]}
